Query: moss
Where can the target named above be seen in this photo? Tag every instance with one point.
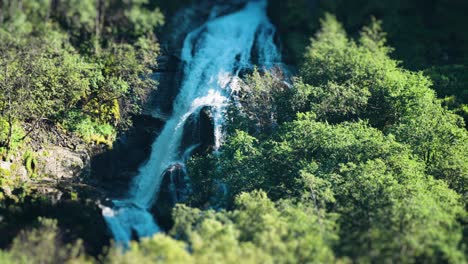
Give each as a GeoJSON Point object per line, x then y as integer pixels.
{"type": "Point", "coordinates": [4, 173]}
{"type": "Point", "coordinates": [14, 167]}
{"type": "Point", "coordinates": [3, 153]}
{"type": "Point", "coordinates": [30, 162]}
{"type": "Point", "coordinates": [74, 196]}
{"type": "Point", "coordinates": [5, 180]}
{"type": "Point", "coordinates": [101, 140]}
{"type": "Point", "coordinates": [115, 110]}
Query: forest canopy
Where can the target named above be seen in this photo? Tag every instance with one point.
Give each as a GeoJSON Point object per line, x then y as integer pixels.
{"type": "Point", "coordinates": [359, 154]}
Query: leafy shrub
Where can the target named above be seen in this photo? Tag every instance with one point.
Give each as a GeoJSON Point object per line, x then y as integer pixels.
{"type": "Point", "coordinates": [16, 136]}
{"type": "Point", "coordinates": [43, 245]}
{"type": "Point", "coordinates": [5, 181]}
{"type": "Point", "coordinates": [91, 131]}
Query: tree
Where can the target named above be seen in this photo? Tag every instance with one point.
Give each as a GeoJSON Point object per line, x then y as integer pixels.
{"type": "Point", "coordinates": [44, 77]}
{"type": "Point", "coordinates": [258, 98]}
{"type": "Point", "coordinates": [157, 249]}
{"type": "Point", "coordinates": [257, 231]}
{"type": "Point", "coordinates": [375, 185]}
{"type": "Point", "coordinates": [344, 80]}
{"type": "Point", "coordinates": [41, 78]}
{"type": "Point", "coordinates": [449, 83]}
{"type": "Point", "coordinates": [43, 245]}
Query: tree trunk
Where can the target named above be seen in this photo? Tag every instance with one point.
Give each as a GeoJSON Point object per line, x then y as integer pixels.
{"type": "Point", "coordinates": [49, 8]}
{"type": "Point", "coordinates": [9, 119]}
{"type": "Point", "coordinates": [97, 22]}
{"type": "Point", "coordinates": [10, 135]}
{"type": "Point", "coordinates": [20, 6]}
{"type": "Point", "coordinates": [2, 10]}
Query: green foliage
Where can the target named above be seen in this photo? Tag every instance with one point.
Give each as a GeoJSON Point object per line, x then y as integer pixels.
{"type": "Point", "coordinates": [22, 17]}
{"type": "Point", "coordinates": [5, 182]}
{"type": "Point", "coordinates": [257, 231]}
{"type": "Point", "coordinates": [57, 76]}
{"type": "Point", "coordinates": [450, 83]}
{"type": "Point", "coordinates": [43, 245]}
{"type": "Point", "coordinates": [360, 139]}
{"type": "Point", "coordinates": [203, 180]}
{"type": "Point", "coordinates": [171, 7]}
{"type": "Point", "coordinates": [375, 185]}
{"type": "Point", "coordinates": [84, 66]}
{"type": "Point", "coordinates": [123, 81]}
{"type": "Point", "coordinates": [351, 80]}
{"type": "Point", "coordinates": [143, 20]}
{"type": "Point", "coordinates": [347, 81]}
{"type": "Point", "coordinates": [93, 25]}
{"type": "Point", "coordinates": [14, 140]}
{"type": "Point", "coordinates": [91, 131]}
{"type": "Point", "coordinates": [77, 14]}
{"type": "Point", "coordinates": [157, 249]}
{"type": "Point", "coordinates": [240, 156]}
{"type": "Point", "coordinates": [46, 73]}
{"type": "Point", "coordinates": [360, 159]}
{"type": "Point", "coordinates": [258, 97]}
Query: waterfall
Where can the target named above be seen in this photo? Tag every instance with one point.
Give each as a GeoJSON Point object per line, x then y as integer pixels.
{"type": "Point", "coordinates": [213, 56]}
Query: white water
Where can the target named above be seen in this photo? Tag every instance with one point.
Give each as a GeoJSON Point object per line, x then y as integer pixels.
{"type": "Point", "coordinates": [213, 56]}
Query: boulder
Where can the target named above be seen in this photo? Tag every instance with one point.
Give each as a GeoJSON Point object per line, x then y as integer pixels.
{"type": "Point", "coordinates": [62, 163]}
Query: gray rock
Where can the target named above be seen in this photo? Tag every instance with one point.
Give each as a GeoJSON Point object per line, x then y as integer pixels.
{"type": "Point", "coordinates": [17, 172]}
{"type": "Point", "coordinates": [4, 165]}
{"type": "Point", "coordinates": [62, 163]}
{"type": "Point", "coordinates": [22, 174]}
{"type": "Point", "coordinates": [7, 190]}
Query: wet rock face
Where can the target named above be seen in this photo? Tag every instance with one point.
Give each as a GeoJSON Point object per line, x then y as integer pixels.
{"type": "Point", "coordinates": [175, 188]}
{"type": "Point", "coordinates": [168, 76]}
{"type": "Point", "coordinates": [199, 130]}
{"type": "Point", "coordinates": [114, 168]}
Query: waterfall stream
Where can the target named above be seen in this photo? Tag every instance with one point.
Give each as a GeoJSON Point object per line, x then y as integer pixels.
{"type": "Point", "coordinates": [213, 55]}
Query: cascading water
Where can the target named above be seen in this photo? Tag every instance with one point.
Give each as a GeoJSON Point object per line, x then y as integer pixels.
{"type": "Point", "coordinates": [213, 55]}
